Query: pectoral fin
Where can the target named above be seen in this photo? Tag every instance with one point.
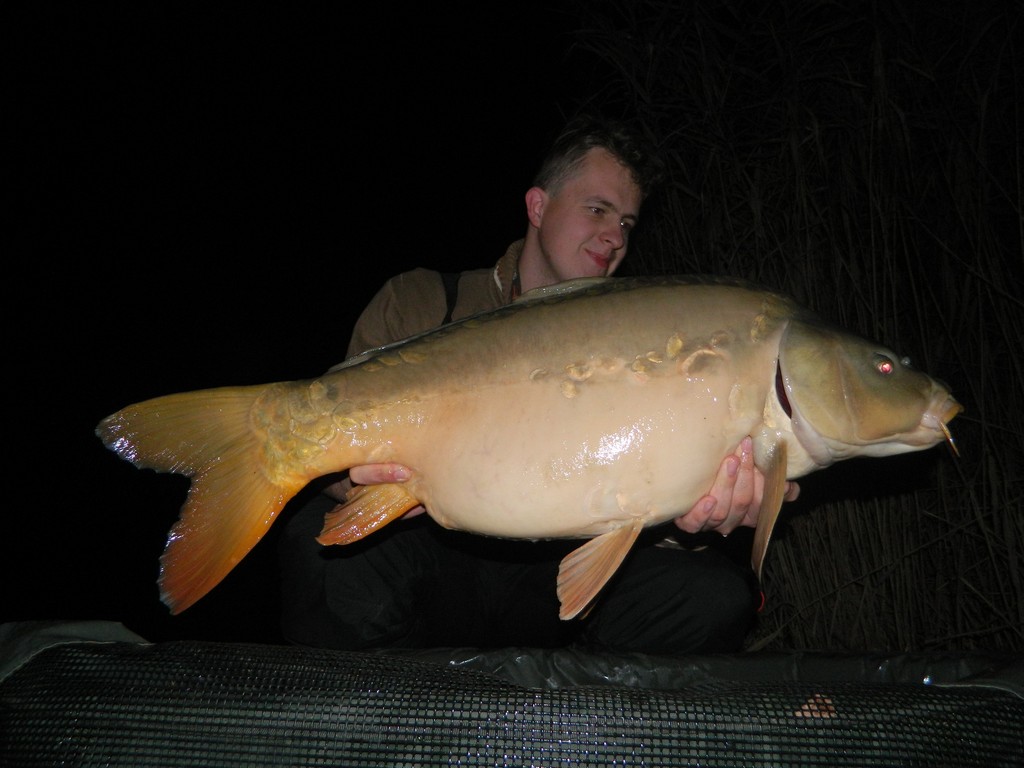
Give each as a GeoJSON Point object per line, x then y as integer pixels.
{"type": "Point", "coordinates": [771, 503]}
{"type": "Point", "coordinates": [585, 570]}
{"type": "Point", "coordinates": [367, 508]}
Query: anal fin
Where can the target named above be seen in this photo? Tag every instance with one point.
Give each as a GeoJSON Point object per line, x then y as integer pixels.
{"type": "Point", "coordinates": [367, 508]}
{"type": "Point", "coordinates": [771, 504]}
{"type": "Point", "coordinates": [584, 571]}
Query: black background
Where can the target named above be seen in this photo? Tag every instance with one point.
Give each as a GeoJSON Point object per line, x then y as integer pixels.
{"type": "Point", "coordinates": [208, 198]}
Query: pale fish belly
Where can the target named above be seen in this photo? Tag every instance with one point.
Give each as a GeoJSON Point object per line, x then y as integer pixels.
{"type": "Point", "coordinates": [560, 463]}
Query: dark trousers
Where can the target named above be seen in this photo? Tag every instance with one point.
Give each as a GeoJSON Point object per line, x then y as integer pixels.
{"type": "Point", "coordinates": [414, 584]}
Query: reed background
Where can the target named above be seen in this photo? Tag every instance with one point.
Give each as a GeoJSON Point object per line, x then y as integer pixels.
{"type": "Point", "coordinates": [867, 159]}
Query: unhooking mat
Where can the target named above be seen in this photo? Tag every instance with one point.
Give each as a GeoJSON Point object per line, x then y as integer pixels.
{"type": "Point", "coordinates": [94, 695]}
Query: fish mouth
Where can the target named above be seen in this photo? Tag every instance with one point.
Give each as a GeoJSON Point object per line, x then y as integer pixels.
{"type": "Point", "coordinates": [933, 427]}
{"type": "Point", "coordinates": [939, 418]}
{"type": "Point", "coordinates": [952, 409]}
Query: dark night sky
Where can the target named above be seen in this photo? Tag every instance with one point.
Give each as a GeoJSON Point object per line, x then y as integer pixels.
{"type": "Point", "coordinates": [208, 199]}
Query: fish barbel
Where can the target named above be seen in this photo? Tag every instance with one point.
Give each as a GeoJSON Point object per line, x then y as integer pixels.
{"type": "Point", "coordinates": [591, 409]}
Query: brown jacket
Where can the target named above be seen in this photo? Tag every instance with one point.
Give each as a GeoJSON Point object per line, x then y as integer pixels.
{"type": "Point", "coordinates": [414, 301]}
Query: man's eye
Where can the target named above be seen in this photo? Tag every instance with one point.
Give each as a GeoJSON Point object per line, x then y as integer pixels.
{"type": "Point", "coordinates": [627, 226]}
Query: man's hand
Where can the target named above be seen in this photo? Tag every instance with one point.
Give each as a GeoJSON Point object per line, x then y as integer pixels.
{"type": "Point", "coordinates": [735, 498]}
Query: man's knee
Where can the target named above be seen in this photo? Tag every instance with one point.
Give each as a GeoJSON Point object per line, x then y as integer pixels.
{"type": "Point", "coordinates": [673, 602]}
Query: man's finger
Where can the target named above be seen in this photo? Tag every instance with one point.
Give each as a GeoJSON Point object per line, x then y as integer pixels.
{"type": "Point", "coordinates": [370, 474]}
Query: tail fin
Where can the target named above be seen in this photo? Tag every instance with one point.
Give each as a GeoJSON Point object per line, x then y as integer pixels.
{"type": "Point", "coordinates": [207, 436]}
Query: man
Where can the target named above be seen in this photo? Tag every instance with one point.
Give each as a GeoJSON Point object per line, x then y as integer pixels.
{"type": "Point", "coordinates": [415, 584]}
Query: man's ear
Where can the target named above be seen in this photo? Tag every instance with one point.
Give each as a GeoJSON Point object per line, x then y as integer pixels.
{"type": "Point", "coordinates": [536, 198]}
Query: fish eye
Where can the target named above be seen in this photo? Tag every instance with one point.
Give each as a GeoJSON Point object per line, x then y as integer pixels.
{"type": "Point", "coordinates": [884, 365]}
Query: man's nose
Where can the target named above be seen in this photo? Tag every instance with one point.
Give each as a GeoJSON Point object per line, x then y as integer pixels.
{"type": "Point", "coordinates": [613, 235]}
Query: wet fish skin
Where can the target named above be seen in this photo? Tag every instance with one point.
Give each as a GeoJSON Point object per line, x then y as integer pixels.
{"type": "Point", "coordinates": [591, 409]}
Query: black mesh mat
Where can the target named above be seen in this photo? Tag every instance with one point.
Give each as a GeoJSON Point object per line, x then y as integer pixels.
{"type": "Point", "coordinates": [220, 704]}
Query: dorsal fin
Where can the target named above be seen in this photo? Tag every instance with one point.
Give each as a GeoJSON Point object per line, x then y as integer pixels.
{"type": "Point", "coordinates": [564, 287]}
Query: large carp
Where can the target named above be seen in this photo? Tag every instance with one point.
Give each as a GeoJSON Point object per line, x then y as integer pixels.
{"type": "Point", "coordinates": [591, 409]}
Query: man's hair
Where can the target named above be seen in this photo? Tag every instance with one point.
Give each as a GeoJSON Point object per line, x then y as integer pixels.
{"type": "Point", "coordinates": [588, 131]}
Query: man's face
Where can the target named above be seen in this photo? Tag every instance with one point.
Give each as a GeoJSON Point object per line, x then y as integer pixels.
{"type": "Point", "coordinates": [585, 224]}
